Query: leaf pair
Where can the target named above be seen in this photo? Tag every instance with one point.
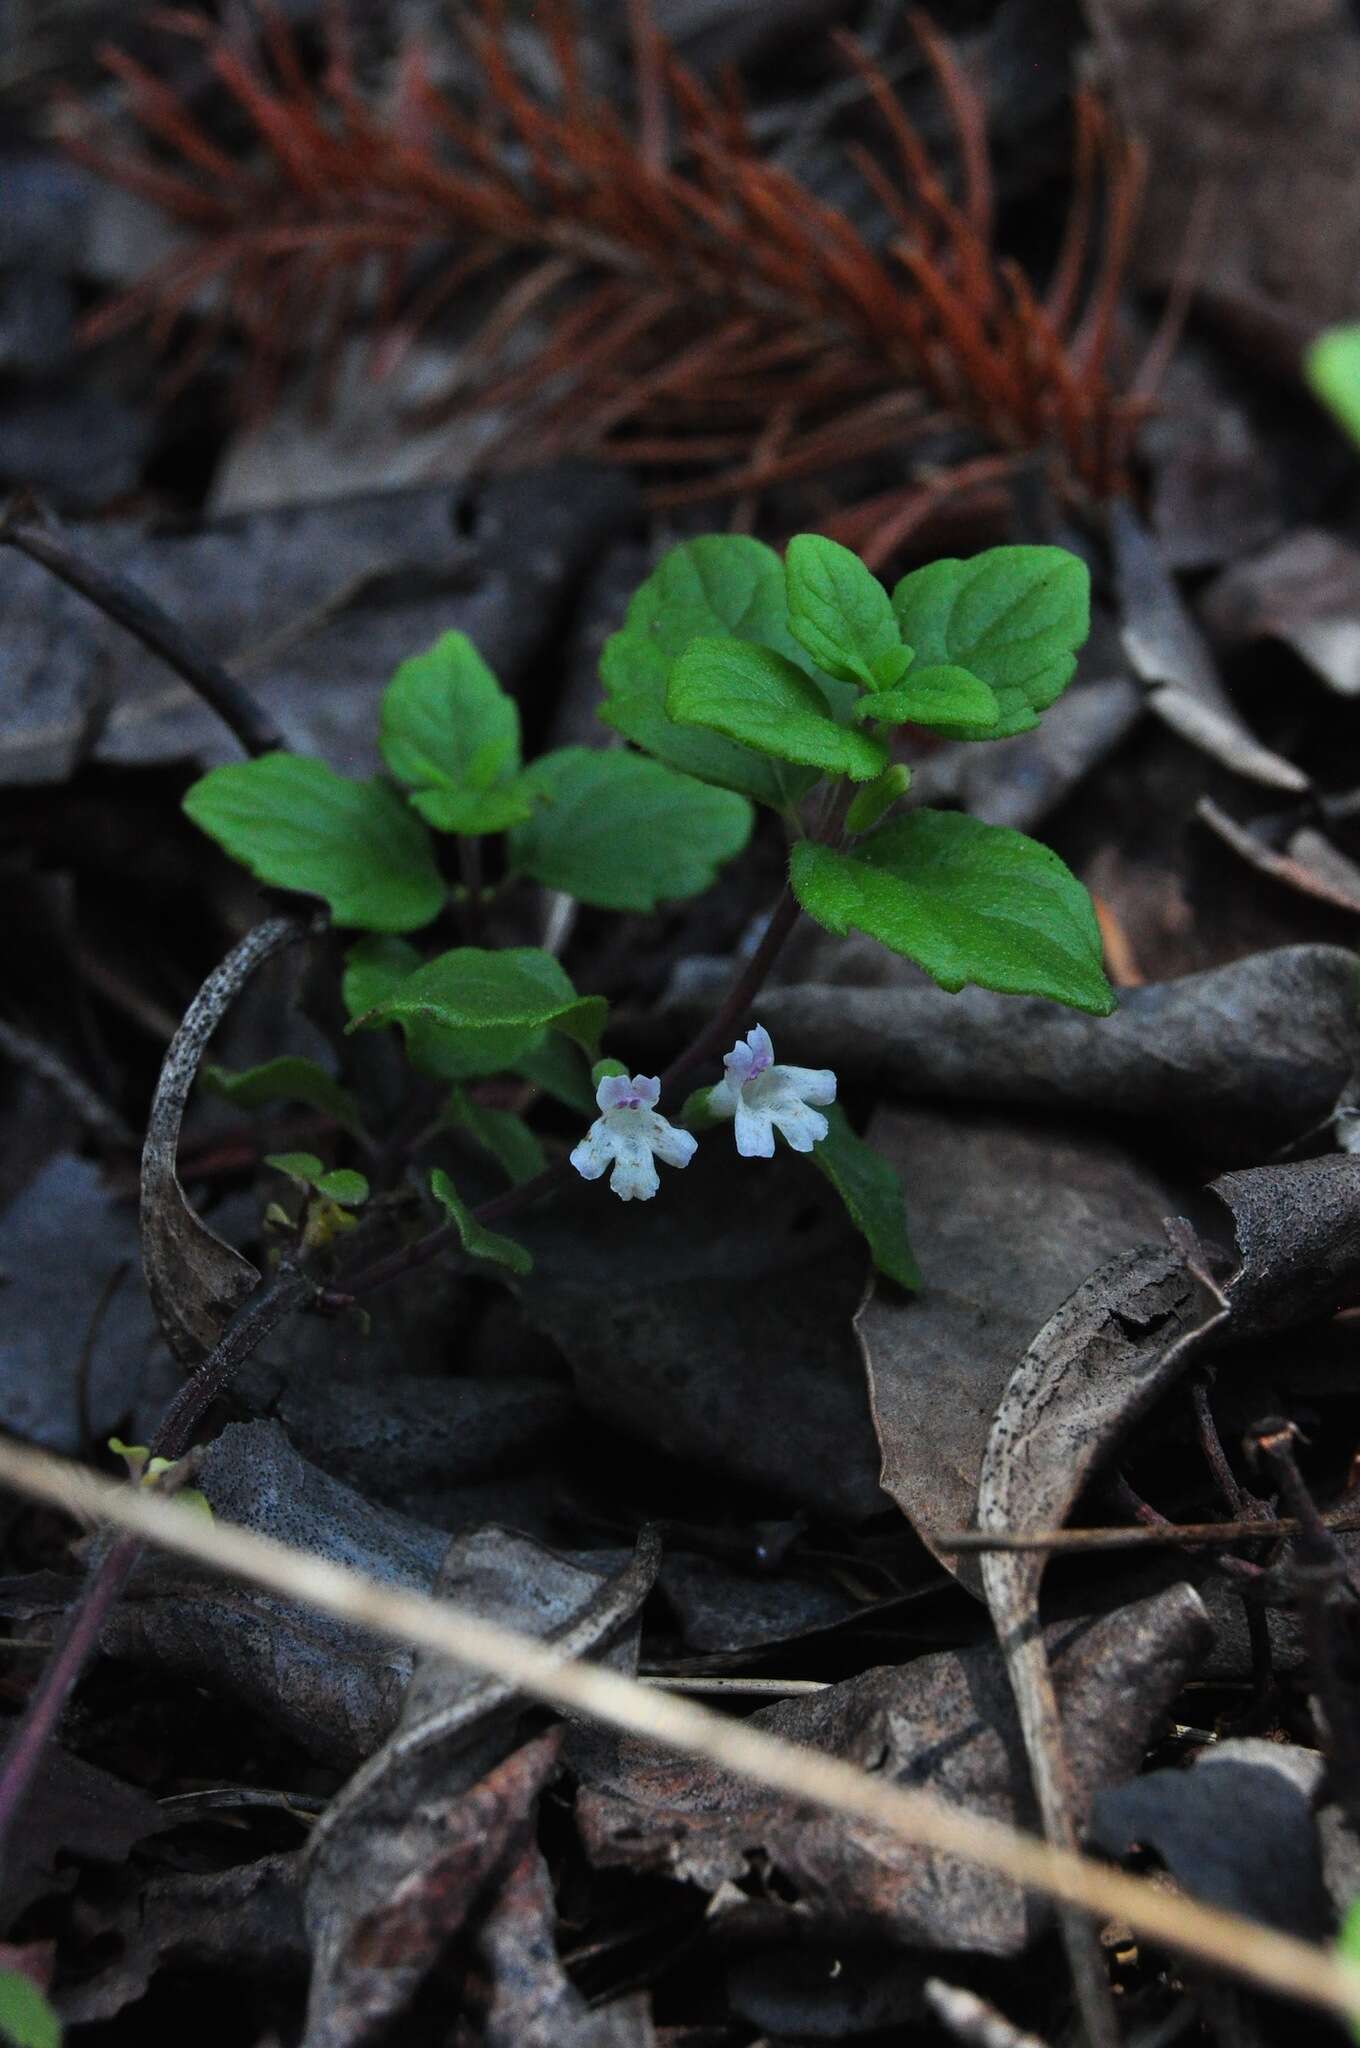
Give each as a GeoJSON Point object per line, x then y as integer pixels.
{"type": "Point", "coordinates": [606, 827]}
{"type": "Point", "coordinates": [743, 670]}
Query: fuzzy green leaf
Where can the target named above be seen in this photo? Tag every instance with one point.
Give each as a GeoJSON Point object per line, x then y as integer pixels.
{"type": "Point", "coordinates": [471, 989]}
{"type": "Point", "coordinates": [376, 968]}
{"type": "Point", "coordinates": [869, 804]}
{"type": "Point", "coordinates": [286, 1079]}
{"type": "Point", "coordinates": [339, 1184]}
{"type": "Point", "coordinates": [967, 901]}
{"type": "Point", "coordinates": [477, 1240]}
{"type": "Point", "coordinates": [623, 833]}
{"type": "Point", "coordinates": [26, 2018]}
{"type": "Point", "coordinates": [944, 699]}
{"type": "Point", "coordinates": [498, 1131]}
{"type": "Point", "coordinates": [754, 695]}
{"type": "Point", "coordinates": [872, 1194]}
{"type": "Point", "coordinates": [1014, 617]}
{"type": "Point", "coordinates": [555, 1065]}
{"type": "Point", "coordinates": [1332, 367]}
{"type": "Point", "coordinates": [840, 613]}
{"type": "Point", "coordinates": [451, 734]}
{"type": "Point", "coordinates": [296, 824]}
{"type": "Point", "coordinates": [720, 584]}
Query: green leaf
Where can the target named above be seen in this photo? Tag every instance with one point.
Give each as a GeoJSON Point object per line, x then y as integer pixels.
{"type": "Point", "coordinates": [1015, 617]}
{"type": "Point", "coordinates": [376, 968]}
{"type": "Point", "coordinates": [1348, 1948]}
{"type": "Point", "coordinates": [286, 1079]}
{"type": "Point", "coordinates": [752, 694]}
{"type": "Point", "coordinates": [555, 1065]}
{"type": "Point", "coordinates": [498, 1131]}
{"type": "Point", "coordinates": [722, 583]}
{"type": "Point", "coordinates": [26, 2018]}
{"type": "Point", "coordinates": [967, 901]}
{"type": "Point", "coordinates": [341, 1184]}
{"type": "Point", "coordinates": [469, 988]}
{"type": "Point", "coordinates": [872, 1194]}
{"type": "Point", "coordinates": [944, 699]}
{"type": "Point", "coordinates": [623, 833]}
{"type": "Point", "coordinates": [841, 614]}
{"type": "Point", "coordinates": [1332, 367]}
{"type": "Point", "coordinates": [296, 824]}
{"type": "Point", "coordinates": [869, 803]}
{"type": "Point", "coordinates": [697, 1115]}
{"type": "Point", "coordinates": [451, 733]}
{"type": "Point", "coordinates": [477, 1240]}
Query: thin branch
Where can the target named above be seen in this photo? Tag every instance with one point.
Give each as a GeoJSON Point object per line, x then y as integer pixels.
{"type": "Point", "coordinates": [1161, 1535]}
{"type": "Point", "coordinates": [275, 1299]}
{"type": "Point", "coordinates": [22, 527]}
{"type": "Point", "coordinates": [1258, 1954]}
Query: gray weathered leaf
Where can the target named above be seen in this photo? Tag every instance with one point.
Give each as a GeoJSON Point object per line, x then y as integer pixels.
{"type": "Point", "coordinates": [1009, 1220]}
{"type": "Point", "coordinates": [1168, 652]}
{"type": "Point", "coordinates": [1230, 1065]}
{"type": "Point", "coordinates": [1304, 591]}
{"type": "Point", "coordinates": [945, 1723]}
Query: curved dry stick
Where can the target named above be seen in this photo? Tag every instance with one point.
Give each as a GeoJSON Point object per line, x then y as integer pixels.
{"type": "Point", "coordinates": [196, 1282]}
{"type": "Point", "coordinates": [22, 527]}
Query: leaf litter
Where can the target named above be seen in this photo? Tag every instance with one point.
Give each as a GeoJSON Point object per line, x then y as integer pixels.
{"type": "Point", "coordinates": [807, 1445]}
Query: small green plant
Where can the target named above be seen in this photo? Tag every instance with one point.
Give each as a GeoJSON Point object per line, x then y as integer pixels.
{"type": "Point", "coordinates": [1332, 367]}
{"type": "Point", "coordinates": [738, 679]}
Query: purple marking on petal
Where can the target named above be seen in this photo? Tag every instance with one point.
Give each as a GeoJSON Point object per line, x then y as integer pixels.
{"type": "Point", "coordinates": [618, 1091]}
{"type": "Point", "coordinates": [762, 1050]}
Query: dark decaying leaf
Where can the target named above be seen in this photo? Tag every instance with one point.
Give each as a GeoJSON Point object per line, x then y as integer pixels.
{"type": "Point", "coordinates": [245, 1921]}
{"type": "Point", "coordinates": [194, 1279]}
{"type": "Point", "coordinates": [1298, 1233]}
{"type": "Point", "coordinates": [716, 1325]}
{"type": "Point", "coordinates": [528, 1999]}
{"type": "Point", "coordinates": [1304, 591]}
{"type": "Point", "coordinates": [946, 1723]}
{"type": "Point", "coordinates": [721, 1608]}
{"type": "Point", "coordinates": [1230, 1065]}
{"type": "Point", "coordinates": [336, 1688]}
{"type": "Point", "coordinates": [379, 1914]}
{"type": "Point", "coordinates": [1309, 862]}
{"type": "Point", "coordinates": [75, 1811]}
{"type": "Point", "coordinates": [63, 1242]}
{"type": "Point", "coordinates": [325, 599]}
{"type": "Point", "coordinates": [1010, 1218]}
{"type": "Point", "coordinates": [1235, 1833]}
{"type": "Point", "coordinates": [1169, 654]}
{"type": "Point", "coordinates": [404, 1852]}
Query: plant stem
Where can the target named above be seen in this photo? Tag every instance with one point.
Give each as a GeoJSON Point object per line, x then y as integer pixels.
{"type": "Point", "coordinates": [745, 987]}
{"type": "Point", "coordinates": [38, 1724]}
{"type": "Point", "coordinates": [22, 526]}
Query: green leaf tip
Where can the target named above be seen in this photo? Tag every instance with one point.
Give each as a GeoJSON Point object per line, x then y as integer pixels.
{"type": "Point", "coordinates": [1013, 617]}
{"type": "Point", "coordinates": [968, 902]}
{"type": "Point", "coordinates": [451, 734]}
{"type": "Point", "coordinates": [476, 1239]}
{"type": "Point", "coordinates": [296, 824]}
{"type": "Point", "coordinates": [754, 695]}
{"type": "Point", "coordinates": [623, 833]}
{"type": "Point", "coordinates": [841, 615]}
{"type": "Point", "coordinates": [872, 1193]}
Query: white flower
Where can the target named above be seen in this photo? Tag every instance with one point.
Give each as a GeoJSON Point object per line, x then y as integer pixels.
{"type": "Point", "coordinates": [628, 1133]}
{"type": "Point", "coordinates": [765, 1098]}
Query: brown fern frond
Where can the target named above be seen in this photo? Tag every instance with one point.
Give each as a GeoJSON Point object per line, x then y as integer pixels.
{"type": "Point", "coordinates": [693, 303]}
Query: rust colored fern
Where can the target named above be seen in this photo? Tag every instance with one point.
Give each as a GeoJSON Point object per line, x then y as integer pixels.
{"type": "Point", "coordinates": [696, 306]}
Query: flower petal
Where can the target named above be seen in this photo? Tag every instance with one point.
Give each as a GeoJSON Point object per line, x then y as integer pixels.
{"type": "Point", "coordinates": [595, 1151]}
{"type": "Point", "coordinates": [635, 1177]}
{"type": "Point", "coordinates": [813, 1084]}
{"type": "Point", "coordinates": [616, 1091]}
{"type": "Point", "coordinates": [755, 1134]}
{"type": "Point", "coordinates": [673, 1146]}
{"type": "Point", "coordinates": [801, 1126]}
